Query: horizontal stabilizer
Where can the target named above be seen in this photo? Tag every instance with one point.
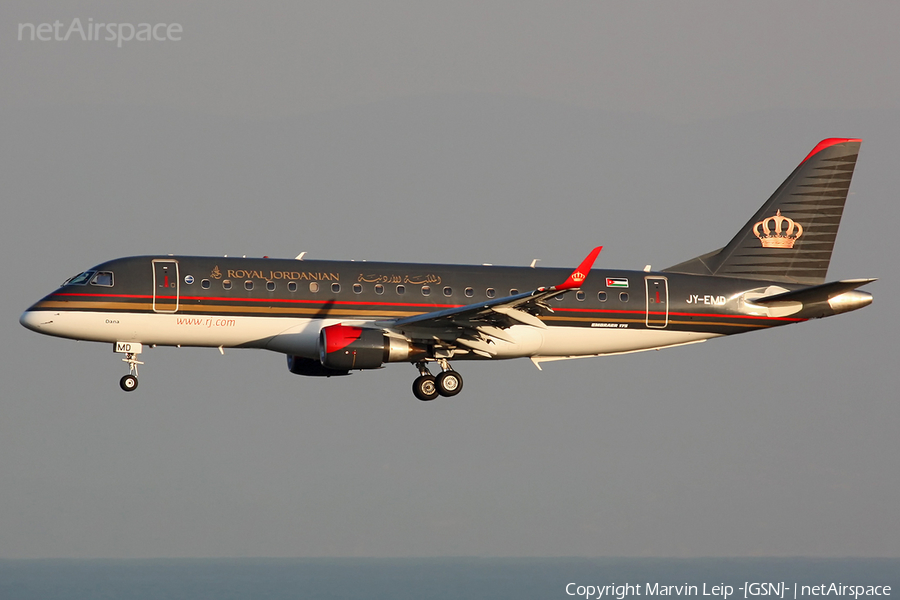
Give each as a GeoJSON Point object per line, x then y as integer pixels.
{"type": "Point", "coordinates": [816, 293]}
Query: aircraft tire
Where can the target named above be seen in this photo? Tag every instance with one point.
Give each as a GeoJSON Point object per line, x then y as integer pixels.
{"type": "Point", "coordinates": [128, 383]}
{"type": "Point", "coordinates": [425, 388]}
{"type": "Point", "coordinates": [449, 383]}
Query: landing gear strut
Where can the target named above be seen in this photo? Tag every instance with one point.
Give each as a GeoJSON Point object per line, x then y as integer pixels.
{"type": "Point", "coordinates": [130, 382]}
{"type": "Point", "coordinates": [428, 387]}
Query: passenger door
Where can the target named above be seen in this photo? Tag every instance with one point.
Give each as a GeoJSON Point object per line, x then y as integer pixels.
{"type": "Point", "coordinates": [657, 302]}
{"type": "Point", "coordinates": [165, 285]}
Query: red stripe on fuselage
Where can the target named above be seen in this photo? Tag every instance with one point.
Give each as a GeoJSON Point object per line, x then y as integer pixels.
{"type": "Point", "coordinates": [104, 295]}
{"type": "Point", "coordinates": [344, 303]}
{"type": "Point", "coordinates": [270, 300]}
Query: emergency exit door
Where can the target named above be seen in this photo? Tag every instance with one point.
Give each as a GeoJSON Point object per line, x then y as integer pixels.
{"type": "Point", "coordinates": [165, 286]}
{"type": "Point", "coordinates": [657, 302]}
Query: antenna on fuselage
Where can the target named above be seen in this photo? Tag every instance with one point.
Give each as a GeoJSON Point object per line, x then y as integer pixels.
{"type": "Point", "coordinates": [534, 262]}
{"type": "Point", "coordinates": [300, 256]}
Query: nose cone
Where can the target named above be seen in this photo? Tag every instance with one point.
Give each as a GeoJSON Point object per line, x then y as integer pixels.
{"type": "Point", "coordinates": [35, 320]}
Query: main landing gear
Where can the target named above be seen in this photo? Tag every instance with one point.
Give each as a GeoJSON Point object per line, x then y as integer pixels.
{"type": "Point", "coordinates": [428, 387]}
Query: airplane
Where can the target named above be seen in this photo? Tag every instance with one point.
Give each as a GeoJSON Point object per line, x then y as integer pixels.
{"type": "Point", "coordinates": [334, 317]}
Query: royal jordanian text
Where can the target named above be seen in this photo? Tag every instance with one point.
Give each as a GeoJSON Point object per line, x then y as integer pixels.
{"type": "Point", "coordinates": [750, 589]}
{"type": "Point", "coordinates": [272, 275]}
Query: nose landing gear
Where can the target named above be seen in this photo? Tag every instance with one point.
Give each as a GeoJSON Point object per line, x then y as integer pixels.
{"type": "Point", "coordinates": [130, 382]}
{"type": "Point", "coordinates": [428, 387]}
{"type": "Point", "coordinates": [130, 349]}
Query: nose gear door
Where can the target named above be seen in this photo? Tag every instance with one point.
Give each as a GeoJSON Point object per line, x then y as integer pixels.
{"type": "Point", "coordinates": [165, 285]}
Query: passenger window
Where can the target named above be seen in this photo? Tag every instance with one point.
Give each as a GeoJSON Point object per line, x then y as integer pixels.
{"type": "Point", "coordinates": [335, 287]}
{"type": "Point", "coordinates": [559, 297]}
{"type": "Point", "coordinates": [401, 289]}
{"type": "Point", "coordinates": [103, 278]}
{"type": "Point", "coordinates": [226, 283]}
{"type": "Point", "coordinates": [426, 290]}
{"type": "Point", "coordinates": [357, 288]}
{"type": "Point", "coordinates": [469, 292]}
{"type": "Point", "coordinates": [292, 286]}
{"type": "Point", "coordinates": [314, 286]}
{"type": "Point", "coordinates": [379, 289]}
{"type": "Point", "coordinates": [513, 292]}
{"type": "Point", "coordinates": [270, 285]}
{"type": "Point", "coordinates": [448, 291]}
{"type": "Point", "coordinates": [490, 292]}
{"type": "Point", "coordinates": [601, 296]}
{"type": "Point", "coordinates": [205, 284]}
{"type": "Point", "coordinates": [579, 295]}
{"type": "Point", "coordinates": [623, 296]}
{"type": "Point", "coordinates": [248, 285]}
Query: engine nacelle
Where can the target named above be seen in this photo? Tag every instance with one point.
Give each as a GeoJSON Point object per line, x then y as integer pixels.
{"type": "Point", "coordinates": [311, 368]}
{"type": "Point", "coordinates": [346, 347]}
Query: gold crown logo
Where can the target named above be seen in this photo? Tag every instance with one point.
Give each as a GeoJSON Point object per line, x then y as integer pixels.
{"type": "Point", "coordinates": [772, 235]}
{"type": "Point", "coordinates": [578, 276]}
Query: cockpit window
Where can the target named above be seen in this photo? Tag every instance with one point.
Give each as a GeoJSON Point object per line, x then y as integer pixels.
{"type": "Point", "coordinates": [104, 278]}
{"type": "Point", "coordinates": [80, 279]}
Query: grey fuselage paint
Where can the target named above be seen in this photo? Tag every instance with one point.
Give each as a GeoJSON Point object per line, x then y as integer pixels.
{"type": "Point", "coordinates": [350, 291]}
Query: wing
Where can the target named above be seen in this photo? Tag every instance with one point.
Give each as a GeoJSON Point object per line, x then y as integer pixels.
{"type": "Point", "coordinates": [474, 324]}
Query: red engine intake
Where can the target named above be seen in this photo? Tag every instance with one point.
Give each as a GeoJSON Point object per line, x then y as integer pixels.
{"type": "Point", "coordinates": [347, 347]}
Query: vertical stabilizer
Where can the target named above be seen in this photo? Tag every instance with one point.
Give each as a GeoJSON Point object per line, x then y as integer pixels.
{"type": "Point", "coordinates": [791, 237]}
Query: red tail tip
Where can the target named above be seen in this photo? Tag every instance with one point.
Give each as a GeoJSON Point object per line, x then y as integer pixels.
{"type": "Point", "coordinates": [827, 144]}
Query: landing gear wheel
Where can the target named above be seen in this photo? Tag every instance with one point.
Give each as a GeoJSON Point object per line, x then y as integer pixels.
{"type": "Point", "coordinates": [128, 383]}
{"type": "Point", "coordinates": [425, 388]}
{"type": "Point", "coordinates": [449, 383]}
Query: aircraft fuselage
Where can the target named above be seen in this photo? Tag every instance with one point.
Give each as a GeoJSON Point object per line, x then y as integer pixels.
{"type": "Point", "coordinates": [281, 305]}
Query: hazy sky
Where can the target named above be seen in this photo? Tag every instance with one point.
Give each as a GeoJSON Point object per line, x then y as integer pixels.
{"type": "Point", "coordinates": [464, 132]}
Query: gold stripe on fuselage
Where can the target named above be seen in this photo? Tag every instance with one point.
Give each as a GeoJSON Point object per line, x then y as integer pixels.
{"type": "Point", "coordinates": [671, 322]}
{"type": "Point", "coordinates": [330, 311]}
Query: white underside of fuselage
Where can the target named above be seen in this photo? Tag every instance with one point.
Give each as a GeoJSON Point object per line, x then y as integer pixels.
{"type": "Point", "coordinates": [299, 336]}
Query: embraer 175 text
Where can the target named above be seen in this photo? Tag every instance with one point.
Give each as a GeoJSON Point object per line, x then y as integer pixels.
{"type": "Point", "coordinates": [333, 317]}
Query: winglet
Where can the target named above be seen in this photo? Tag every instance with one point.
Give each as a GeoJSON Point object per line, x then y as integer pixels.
{"type": "Point", "coordinates": [580, 274]}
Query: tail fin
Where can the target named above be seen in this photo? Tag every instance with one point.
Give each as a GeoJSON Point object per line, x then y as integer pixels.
{"type": "Point", "coordinates": [791, 237]}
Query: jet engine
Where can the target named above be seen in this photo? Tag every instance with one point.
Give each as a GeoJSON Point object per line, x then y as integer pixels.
{"type": "Point", "coordinates": [311, 367]}
{"type": "Point", "coordinates": [345, 347]}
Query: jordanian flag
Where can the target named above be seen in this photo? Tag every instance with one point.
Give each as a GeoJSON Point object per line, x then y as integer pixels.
{"type": "Point", "coordinates": [616, 282]}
